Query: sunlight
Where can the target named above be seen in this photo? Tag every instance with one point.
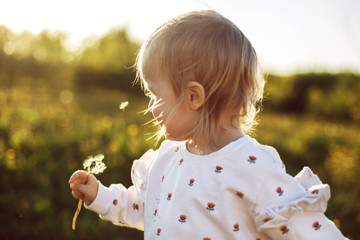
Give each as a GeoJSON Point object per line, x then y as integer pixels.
{"type": "Point", "coordinates": [288, 36]}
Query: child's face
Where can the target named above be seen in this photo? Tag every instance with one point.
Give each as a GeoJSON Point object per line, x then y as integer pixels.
{"type": "Point", "coordinates": [177, 120]}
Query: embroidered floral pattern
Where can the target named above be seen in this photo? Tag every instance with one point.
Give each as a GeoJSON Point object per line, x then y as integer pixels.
{"type": "Point", "coordinates": [191, 182]}
{"type": "Point", "coordinates": [240, 194]}
{"type": "Point", "coordinates": [279, 191]}
{"type": "Point", "coordinates": [316, 225]}
{"type": "Point", "coordinates": [315, 191]}
{"type": "Point", "coordinates": [136, 206]}
{"type": "Point", "coordinates": [246, 191]}
{"type": "Point", "coordinates": [252, 159]}
{"type": "Point", "coordinates": [236, 227]}
{"type": "Point", "coordinates": [284, 229]}
{"type": "Point", "coordinates": [218, 169]}
{"type": "Point", "coordinates": [182, 219]}
{"type": "Point", "coordinates": [210, 206]}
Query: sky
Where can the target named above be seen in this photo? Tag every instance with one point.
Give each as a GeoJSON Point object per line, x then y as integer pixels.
{"type": "Point", "coordinates": [288, 35]}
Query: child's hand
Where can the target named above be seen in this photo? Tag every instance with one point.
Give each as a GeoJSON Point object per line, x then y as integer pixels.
{"type": "Point", "coordinates": [84, 186]}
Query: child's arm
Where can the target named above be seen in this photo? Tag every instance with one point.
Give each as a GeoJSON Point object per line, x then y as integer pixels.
{"type": "Point", "coordinates": [293, 208]}
{"type": "Point", "coordinates": [120, 205]}
{"type": "Point", "coordinates": [117, 204]}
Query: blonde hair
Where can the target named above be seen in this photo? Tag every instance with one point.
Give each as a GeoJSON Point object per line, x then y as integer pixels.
{"type": "Point", "coordinates": [205, 47]}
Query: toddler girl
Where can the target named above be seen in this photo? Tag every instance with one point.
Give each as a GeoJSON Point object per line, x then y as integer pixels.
{"type": "Point", "coordinates": [208, 180]}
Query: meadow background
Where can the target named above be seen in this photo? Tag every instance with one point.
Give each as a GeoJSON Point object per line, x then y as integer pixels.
{"type": "Point", "coordinates": [58, 106]}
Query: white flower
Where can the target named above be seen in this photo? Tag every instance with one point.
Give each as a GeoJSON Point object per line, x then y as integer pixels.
{"type": "Point", "coordinates": [94, 165]}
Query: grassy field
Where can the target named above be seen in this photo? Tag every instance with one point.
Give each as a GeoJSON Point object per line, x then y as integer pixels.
{"type": "Point", "coordinates": [57, 107]}
{"type": "Point", "coordinates": [45, 133]}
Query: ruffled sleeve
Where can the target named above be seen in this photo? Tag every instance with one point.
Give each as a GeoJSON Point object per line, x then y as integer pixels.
{"type": "Point", "coordinates": [293, 208]}
{"type": "Point", "coordinates": [139, 172]}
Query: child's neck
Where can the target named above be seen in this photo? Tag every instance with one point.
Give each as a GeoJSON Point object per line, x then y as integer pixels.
{"type": "Point", "coordinates": [204, 146]}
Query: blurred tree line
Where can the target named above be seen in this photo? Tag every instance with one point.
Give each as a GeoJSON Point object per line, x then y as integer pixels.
{"type": "Point", "coordinates": [59, 106]}
{"type": "Point", "coordinates": [331, 96]}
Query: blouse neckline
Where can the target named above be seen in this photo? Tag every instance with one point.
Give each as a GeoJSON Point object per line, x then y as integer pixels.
{"type": "Point", "coordinates": [221, 153]}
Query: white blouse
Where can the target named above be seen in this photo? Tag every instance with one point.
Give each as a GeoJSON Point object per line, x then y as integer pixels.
{"type": "Point", "coordinates": [238, 192]}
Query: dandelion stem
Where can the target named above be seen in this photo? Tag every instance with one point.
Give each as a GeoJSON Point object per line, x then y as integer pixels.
{"type": "Point", "coordinates": [93, 165]}
{"type": "Point", "coordinates": [78, 208]}
{"type": "Point", "coordinates": [76, 214]}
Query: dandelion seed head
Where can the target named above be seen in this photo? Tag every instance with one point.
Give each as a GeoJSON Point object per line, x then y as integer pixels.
{"type": "Point", "coordinates": [123, 105]}
{"type": "Point", "coordinates": [94, 165]}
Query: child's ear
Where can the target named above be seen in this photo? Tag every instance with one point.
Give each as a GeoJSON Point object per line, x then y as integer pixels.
{"type": "Point", "coordinates": [195, 95]}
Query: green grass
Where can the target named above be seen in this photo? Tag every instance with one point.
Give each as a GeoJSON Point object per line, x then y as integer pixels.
{"type": "Point", "coordinates": [43, 140]}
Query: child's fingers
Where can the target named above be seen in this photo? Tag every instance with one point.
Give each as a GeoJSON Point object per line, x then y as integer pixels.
{"type": "Point", "coordinates": [77, 194]}
{"type": "Point", "coordinates": [76, 191]}
{"type": "Point", "coordinates": [84, 189]}
{"type": "Point", "coordinates": [78, 176]}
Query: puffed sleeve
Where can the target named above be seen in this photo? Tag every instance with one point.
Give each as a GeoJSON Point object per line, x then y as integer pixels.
{"type": "Point", "coordinates": [125, 206]}
{"type": "Point", "coordinates": [139, 172]}
{"type": "Point", "coordinates": [293, 207]}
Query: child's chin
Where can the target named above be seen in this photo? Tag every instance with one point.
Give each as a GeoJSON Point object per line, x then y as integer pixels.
{"type": "Point", "coordinates": [173, 137]}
